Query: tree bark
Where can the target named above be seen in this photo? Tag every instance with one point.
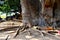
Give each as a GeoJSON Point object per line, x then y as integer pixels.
{"type": "Point", "coordinates": [57, 9]}
{"type": "Point", "coordinates": [30, 11]}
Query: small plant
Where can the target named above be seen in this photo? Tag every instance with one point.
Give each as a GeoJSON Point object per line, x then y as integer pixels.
{"type": "Point", "coordinates": [5, 8]}
{"type": "Point", "coordinates": [9, 4]}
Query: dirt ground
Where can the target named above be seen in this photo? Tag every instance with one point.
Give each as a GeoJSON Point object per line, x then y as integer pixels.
{"type": "Point", "coordinates": [13, 32]}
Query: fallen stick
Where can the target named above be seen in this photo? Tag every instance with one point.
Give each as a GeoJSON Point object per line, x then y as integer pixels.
{"type": "Point", "coordinates": [16, 33]}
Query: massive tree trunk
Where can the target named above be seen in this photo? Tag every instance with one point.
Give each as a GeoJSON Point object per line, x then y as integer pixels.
{"type": "Point", "coordinates": [30, 11]}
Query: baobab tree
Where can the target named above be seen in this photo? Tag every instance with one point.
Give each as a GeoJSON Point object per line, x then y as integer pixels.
{"type": "Point", "coordinates": [32, 10]}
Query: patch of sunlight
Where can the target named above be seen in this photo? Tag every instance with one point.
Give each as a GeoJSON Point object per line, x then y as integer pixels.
{"type": "Point", "coordinates": [3, 15]}
{"type": "Point", "coordinates": [34, 39]}
{"type": "Point", "coordinates": [28, 36]}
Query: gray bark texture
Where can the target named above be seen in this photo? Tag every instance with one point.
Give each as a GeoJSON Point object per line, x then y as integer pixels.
{"type": "Point", "coordinates": [31, 10]}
